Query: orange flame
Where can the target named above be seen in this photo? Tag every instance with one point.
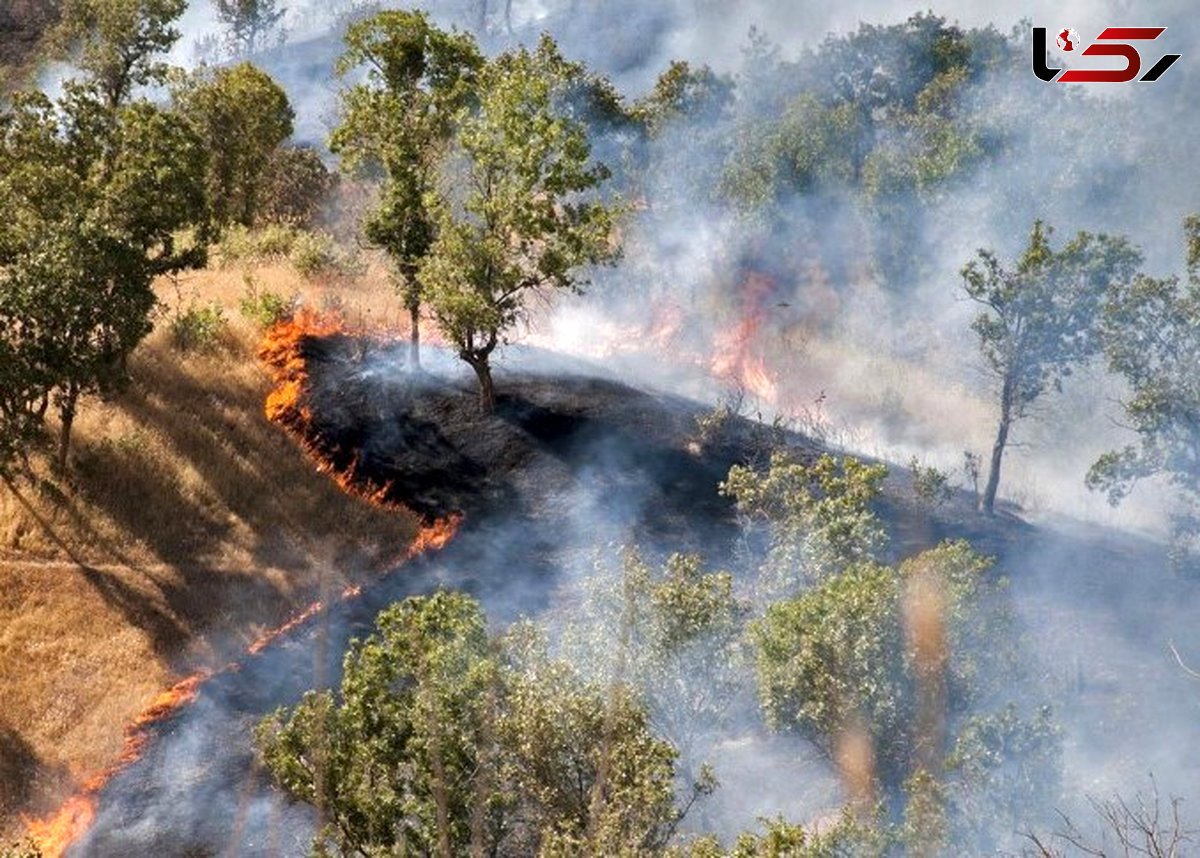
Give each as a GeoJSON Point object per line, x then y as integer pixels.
{"type": "Point", "coordinates": [281, 349]}
{"type": "Point", "coordinates": [736, 360]}
{"type": "Point", "coordinates": [737, 356]}
{"type": "Point", "coordinates": [55, 833]}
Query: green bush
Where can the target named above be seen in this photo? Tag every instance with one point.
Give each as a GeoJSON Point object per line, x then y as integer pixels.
{"type": "Point", "coordinates": [199, 327]}
{"type": "Point", "coordinates": [263, 307]}
{"type": "Point", "coordinates": [310, 252]}
{"type": "Point", "coordinates": [930, 485]}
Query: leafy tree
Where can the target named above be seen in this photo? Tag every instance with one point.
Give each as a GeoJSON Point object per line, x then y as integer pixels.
{"type": "Point", "coordinates": [396, 124]}
{"type": "Point", "coordinates": [850, 836]}
{"type": "Point", "coordinates": [95, 204]}
{"type": "Point", "coordinates": [527, 223]}
{"type": "Point", "coordinates": [250, 23]}
{"type": "Point", "coordinates": [1151, 334]}
{"type": "Point", "coordinates": [675, 633]}
{"type": "Point", "coordinates": [1004, 775]}
{"type": "Point", "coordinates": [294, 187]}
{"type": "Point", "coordinates": [242, 116]}
{"type": "Point", "coordinates": [589, 775]}
{"type": "Point", "coordinates": [848, 654]}
{"type": "Point", "coordinates": [444, 740]}
{"type": "Point", "coordinates": [817, 515]}
{"type": "Point", "coordinates": [1039, 319]}
{"type": "Point", "coordinates": [694, 94]}
{"type": "Point", "coordinates": [118, 43]}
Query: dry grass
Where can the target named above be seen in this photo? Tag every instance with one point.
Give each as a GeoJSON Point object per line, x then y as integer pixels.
{"type": "Point", "coordinates": [187, 526]}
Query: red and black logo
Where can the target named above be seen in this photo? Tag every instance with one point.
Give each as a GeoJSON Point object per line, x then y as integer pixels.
{"type": "Point", "coordinates": [1113, 42]}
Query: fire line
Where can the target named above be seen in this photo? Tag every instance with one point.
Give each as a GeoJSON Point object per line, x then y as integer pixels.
{"type": "Point", "coordinates": [281, 350]}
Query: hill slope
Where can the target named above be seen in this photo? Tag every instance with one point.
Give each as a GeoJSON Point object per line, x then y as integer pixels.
{"type": "Point", "coordinates": [187, 526]}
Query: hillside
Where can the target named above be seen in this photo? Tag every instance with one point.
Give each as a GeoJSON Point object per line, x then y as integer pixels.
{"type": "Point", "coordinates": [570, 465]}
{"type": "Point", "coordinates": [188, 525]}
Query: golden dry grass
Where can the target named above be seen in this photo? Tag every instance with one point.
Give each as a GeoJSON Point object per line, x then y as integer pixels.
{"type": "Point", "coordinates": [188, 524]}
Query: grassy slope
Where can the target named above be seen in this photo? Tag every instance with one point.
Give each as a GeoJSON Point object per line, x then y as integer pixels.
{"type": "Point", "coordinates": [188, 526]}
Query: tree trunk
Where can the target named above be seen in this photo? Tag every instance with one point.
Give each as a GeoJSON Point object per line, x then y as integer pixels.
{"type": "Point", "coordinates": [988, 502]}
{"type": "Point", "coordinates": [414, 337]}
{"type": "Point", "coordinates": [487, 390]}
{"type": "Point", "coordinates": [66, 413]}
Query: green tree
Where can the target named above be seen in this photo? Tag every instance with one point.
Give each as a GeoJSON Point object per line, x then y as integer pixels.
{"type": "Point", "coordinates": [1040, 319]}
{"type": "Point", "coordinates": [676, 634]}
{"type": "Point", "coordinates": [294, 187]}
{"type": "Point", "coordinates": [250, 23]}
{"type": "Point", "coordinates": [847, 654]}
{"type": "Point", "coordinates": [242, 116]}
{"type": "Point", "coordinates": [396, 125]}
{"type": "Point", "coordinates": [528, 221]}
{"type": "Point", "coordinates": [684, 92]}
{"type": "Point", "coordinates": [444, 740]}
{"type": "Point", "coordinates": [95, 206]}
{"type": "Point", "coordinates": [817, 515]}
{"type": "Point", "coordinates": [850, 837]}
{"type": "Point", "coordinates": [118, 44]}
{"type": "Point", "coordinates": [1151, 334]}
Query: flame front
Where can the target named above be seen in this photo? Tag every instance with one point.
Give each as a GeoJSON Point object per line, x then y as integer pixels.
{"type": "Point", "coordinates": [55, 833]}
{"type": "Point", "coordinates": [282, 351]}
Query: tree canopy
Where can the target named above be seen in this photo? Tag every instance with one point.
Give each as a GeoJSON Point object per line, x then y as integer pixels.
{"type": "Point", "coordinates": [1039, 319]}
{"type": "Point", "coordinates": [518, 216]}
{"type": "Point", "coordinates": [1151, 335]}
{"type": "Point", "coordinates": [396, 124]}
{"type": "Point", "coordinates": [444, 740]}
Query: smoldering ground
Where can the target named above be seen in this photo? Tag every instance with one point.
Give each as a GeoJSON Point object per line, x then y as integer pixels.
{"type": "Point", "coordinates": [899, 373]}
{"type": "Point", "coordinates": [573, 465]}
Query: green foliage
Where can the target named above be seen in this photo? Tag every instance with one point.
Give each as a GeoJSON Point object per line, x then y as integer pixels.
{"type": "Point", "coordinates": [880, 111]}
{"type": "Point", "coordinates": [588, 775]}
{"type": "Point", "coordinates": [294, 187]}
{"type": "Point", "coordinates": [444, 740]}
{"type": "Point", "coordinates": [118, 43]}
{"type": "Point", "coordinates": [675, 634]}
{"type": "Point", "coordinates": [849, 837]}
{"type": "Point", "coordinates": [264, 307]}
{"type": "Point", "coordinates": [250, 24]}
{"type": "Point", "coordinates": [925, 828]}
{"type": "Point", "coordinates": [930, 485]}
{"type": "Point", "coordinates": [198, 327]}
{"type": "Point", "coordinates": [1005, 774]}
{"type": "Point", "coordinates": [684, 92]}
{"type": "Point", "coordinates": [842, 655]}
{"type": "Point", "coordinates": [310, 252]}
{"type": "Point", "coordinates": [818, 515]}
{"type": "Point", "coordinates": [527, 223]}
{"type": "Point", "coordinates": [1150, 333]}
{"type": "Point", "coordinates": [1040, 318]}
{"type": "Point", "coordinates": [242, 116]}
{"type": "Point", "coordinates": [396, 125]}
{"type": "Point", "coordinates": [96, 199]}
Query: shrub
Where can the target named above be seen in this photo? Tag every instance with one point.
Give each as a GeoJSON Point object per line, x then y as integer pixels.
{"type": "Point", "coordinates": [310, 252]}
{"type": "Point", "coordinates": [198, 328]}
{"type": "Point", "coordinates": [263, 307]}
{"type": "Point", "coordinates": [931, 486]}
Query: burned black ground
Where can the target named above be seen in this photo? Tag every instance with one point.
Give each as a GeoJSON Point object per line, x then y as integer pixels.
{"type": "Point", "coordinates": [569, 463]}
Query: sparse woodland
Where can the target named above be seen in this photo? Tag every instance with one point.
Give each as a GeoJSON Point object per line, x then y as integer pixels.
{"type": "Point", "coordinates": [157, 222]}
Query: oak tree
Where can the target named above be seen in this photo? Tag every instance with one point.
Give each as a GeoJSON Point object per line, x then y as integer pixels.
{"type": "Point", "coordinates": [528, 220]}
{"type": "Point", "coordinates": [396, 125]}
{"type": "Point", "coordinates": [1039, 320]}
